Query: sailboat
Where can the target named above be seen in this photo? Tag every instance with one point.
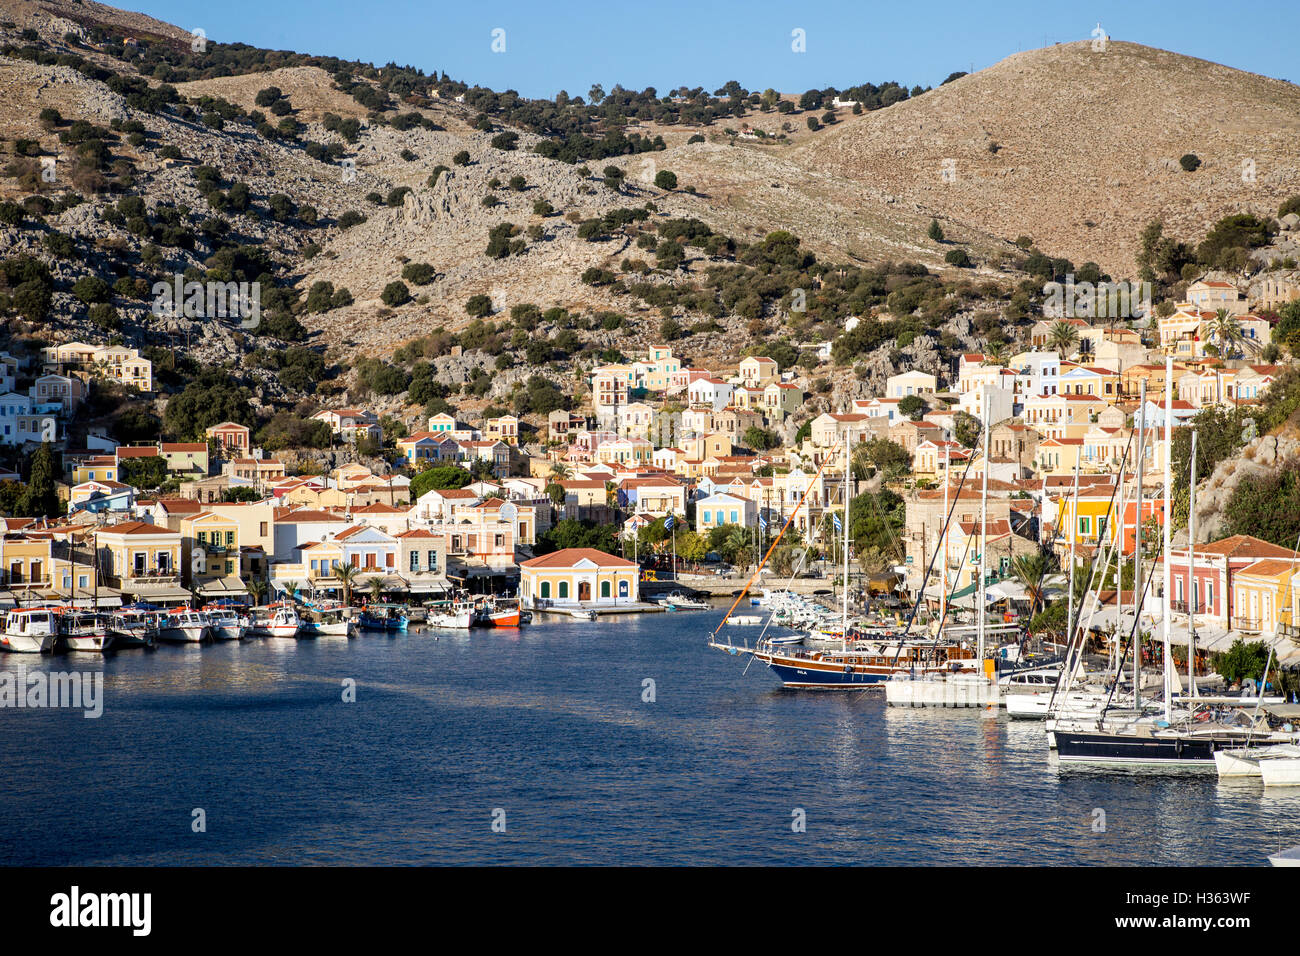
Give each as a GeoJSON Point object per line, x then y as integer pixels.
{"type": "Point", "coordinates": [1184, 739]}
{"type": "Point", "coordinates": [960, 685]}
{"type": "Point", "coordinates": [862, 659]}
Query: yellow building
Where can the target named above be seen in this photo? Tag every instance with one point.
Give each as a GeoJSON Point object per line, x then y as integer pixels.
{"type": "Point", "coordinates": [143, 560]}
{"type": "Point", "coordinates": [578, 576]}
{"type": "Point", "coordinates": [99, 468]}
{"type": "Point", "coordinates": [211, 543]}
{"type": "Point", "coordinates": [1267, 596]}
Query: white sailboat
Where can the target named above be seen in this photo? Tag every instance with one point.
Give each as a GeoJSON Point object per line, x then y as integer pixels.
{"type": "Point", "coordinates": [960, 687]}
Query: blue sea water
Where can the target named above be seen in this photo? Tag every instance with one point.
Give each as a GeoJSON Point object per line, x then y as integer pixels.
{"type": "Point", "coordinates": [545, 729]}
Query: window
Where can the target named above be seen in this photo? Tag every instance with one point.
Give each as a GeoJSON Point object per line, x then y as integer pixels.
{"type": "Point", "coordinates": [546, 589]}
{"type": "Point", "coordinates": [604, 589]}
{"type": "Point", "coordinates": [1085, 526]}
{"type": "Point", "coordinates": [433, 560]}
{"type": "Point", "coordinates": [563, 590]}
{"type": "Point", "coordinates": [415, 561]}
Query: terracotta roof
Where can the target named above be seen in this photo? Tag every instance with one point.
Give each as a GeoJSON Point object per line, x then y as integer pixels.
{"type": "Point", "coordinates": [136, 527]}
{"type": "Point", "coordinates": [1245, 546]}
{"type": "Point", "coordinates": [568, 557]}
{"type": "Point", "coordinates": [1269, 567]}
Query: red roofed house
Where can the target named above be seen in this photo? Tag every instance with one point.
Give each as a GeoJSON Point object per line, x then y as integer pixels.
{"type": "Point", "coordinates": [573, 576]}
{"type": "Point", "coordinates": [1213, 570]}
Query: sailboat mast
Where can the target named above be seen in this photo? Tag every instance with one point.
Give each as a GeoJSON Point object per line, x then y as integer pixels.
{"type": "Point", "coordinates": [1137, 548]}
{"type": "Point", "coordinates": [844, 624]}
{"type": "Point", "coordinates": [1069, 574]}
{"type": "Point", "coordinates": [1119, 564]}
{"type": "Point", "coordinates": [1191, 574]}
{"type": "Point", "coordinates": [984, 537]}
{"type": "Point", "coordinates": [943, 530]}
{"type": "Point", "coordinates": [1169, 493]}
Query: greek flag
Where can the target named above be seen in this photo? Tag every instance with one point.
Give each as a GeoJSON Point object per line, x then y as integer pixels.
{"type": "Point", "coordinates": [762, 522]}
{"type": "Point", "coordinates": [839, 525]}
{"type": "Point", "coordinates": [668, 523]}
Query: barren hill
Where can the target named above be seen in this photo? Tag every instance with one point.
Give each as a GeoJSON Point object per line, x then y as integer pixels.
{"type": "Point", "coordinates": [1078, 148]}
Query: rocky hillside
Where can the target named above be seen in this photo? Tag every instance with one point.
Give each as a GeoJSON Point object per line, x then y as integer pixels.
{"type": "Point", "coordinates": [1076, 148]}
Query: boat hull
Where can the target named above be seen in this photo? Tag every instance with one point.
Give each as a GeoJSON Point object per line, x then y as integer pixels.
{"type": "Point", "coordinates": [1281, 772]}
{"type": "Point", "coordinates": [89, 643]}
{"type": "Point", "coordinates": [816, 673]}
{"type": "Point", "coordinates": [949, 690]}
{"type": "Point", "coordinates": [459, 621]}
{"type": "Point", "coordinates": [188, 634]}
{"type": "Point", "coordinates": [27, 643]}
{"type": "Point", "coordinates": [1127, 750]}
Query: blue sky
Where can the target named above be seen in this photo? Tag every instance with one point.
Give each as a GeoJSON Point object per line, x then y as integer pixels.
{"type": "Point", "coordinates": [668, 43]}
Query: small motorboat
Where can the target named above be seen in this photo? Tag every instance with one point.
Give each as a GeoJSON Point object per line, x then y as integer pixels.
{"type": "Point", "coordinates": [677, 601]}
{"type": "Point", "coordinates": [456, 616]}
{"type": "Point", "coordinates": [225, 622]}
{"type": "Point", "coordinates": [785, 640]}
{"type": "Point", "coordinates": [746, 620]}
{"type": "Point", "coordinates": [84, 631]}
{"type": "Point", "coordinates": [276, 620]}
{"type": "Point", "coordinates": [184, 627]}
{"type": "Point", "coordinates": [383, 617]}
{"type": "Point", "coordinates": [134, 627]}
{"type": "Point", "coordinates": [582, 614]}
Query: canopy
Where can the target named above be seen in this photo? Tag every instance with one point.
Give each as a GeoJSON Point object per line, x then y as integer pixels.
{"type": "Point", "coordinates": [231, 586]}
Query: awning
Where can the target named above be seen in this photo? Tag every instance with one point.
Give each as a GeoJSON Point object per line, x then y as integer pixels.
{"type": "Point", "coordinates": [429, 586]}
{"type": "Point", "coordinates": [224, 587]}
{"type": "Point", "coordinates": [161, 594]}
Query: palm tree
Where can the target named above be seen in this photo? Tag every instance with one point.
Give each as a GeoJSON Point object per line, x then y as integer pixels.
{"type": "Point", "coordinates": [995, 353]}
{"type": "Point", "coordinates": [376, 585]}
{"type": "Point", "coordinates": [1225, 332]}
{"type": "Point", "coordinates": [345, 574]}
{"type": "Point", "coordinates": [559, 471]}
{"type": "Point", "coordinates": [1062, 337]}
{"type": "Point", "coordinates": [1030, 569]}
{"type": "Point", "coordinates": [257, 588]}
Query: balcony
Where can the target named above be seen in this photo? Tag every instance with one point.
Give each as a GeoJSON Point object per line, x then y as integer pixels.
{"type": "Point", "coordinates": [1247, 625]}
{"type": "Point", "coordinates": [156, 576]}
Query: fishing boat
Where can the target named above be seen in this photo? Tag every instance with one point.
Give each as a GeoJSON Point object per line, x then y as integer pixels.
{"type": "Point", "coordinates": [582, 614]}
{"type": "Point", "coordinates": [384, 617]}
{"type": "Point", "coordinates": [275, 620]}
{"type": "Point", "coordinates": [494, 614]}
{"type": "Point", "coordinates": [746, 620]}
{"type": "Point", "coordinates": [184, 626]}
{"type": "Point", "coordinates": [134, 627]}
{"type": "Point", "coordinates": [83, 631]}
{"type": "Point", "coordinates": [327, 620]}
{"type": "Point", "coordinates": [226, 623]}
{"type": "Point", "coordinates": [29, 631]}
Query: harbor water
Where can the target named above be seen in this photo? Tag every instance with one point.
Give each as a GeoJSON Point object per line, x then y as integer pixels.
{"type": "Point", "coordinates": [619, 741]}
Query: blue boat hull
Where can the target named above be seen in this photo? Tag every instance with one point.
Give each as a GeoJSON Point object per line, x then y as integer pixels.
{"type": "Point", "coordinates": [831, 680]}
